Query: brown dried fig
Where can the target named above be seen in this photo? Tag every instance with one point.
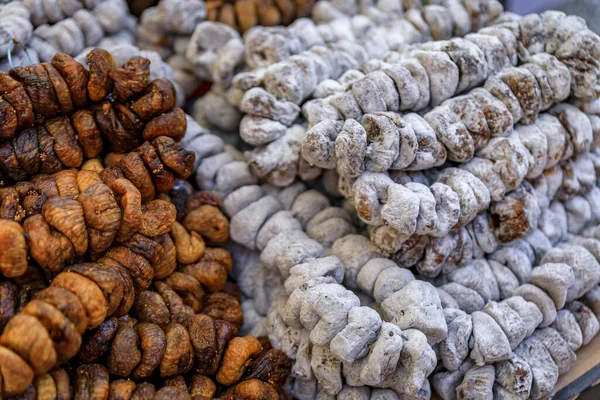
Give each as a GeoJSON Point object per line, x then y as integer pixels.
{"type": "Point", "coordinates": [172, 124]}
{"type": "Point", "coordinates": [224, 306]}
{"type": "Point", "coordinates": [157, 218]}
{"type": "Point", "coordinates": [13, 249]}
{"type": "Point", "coordinates": [92, 298]}
{"type": "Point", "coordinates": [159, 98]}
{"type": "Point", "coordinates": [190, 246]}
{"type": "Point", "coordinates": [239, 353]}
{"type": "Point", "coordinates": [131, 79]}
{"type": "Point", "coordinates": [91, 382]}
{"type": "Point", "coordinates": [210, 222]}
{"type": "Point", "coordinates": [97, 342]}
{"type": "Point", "coordinates": [179, 354]}
{"type": "Point", "coordinates": [100, 63]}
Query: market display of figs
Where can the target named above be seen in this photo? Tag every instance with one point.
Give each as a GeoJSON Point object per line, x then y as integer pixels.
{"type": "Point", "coordinates": [296, 199]}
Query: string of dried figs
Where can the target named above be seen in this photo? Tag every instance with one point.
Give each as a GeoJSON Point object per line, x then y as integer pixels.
{"type": "Point", "coordinates": [437, 71]}
{"type": "Point", "coordinates": [152, 167]}
{"type": "Point", "coordinates": [92, 381]}
{"type": "Point", "coordinates": [201, 269]}
{"type": "Point", "coordinates": [58, 219]}
{"type": "Point", "coordinates": [508, 274]}
{"type": "Point", "coordinates": [48, 330]}
{"type": "Point", "coordinates": [117, 105]}
{"type": "Point", "coordinates": [84, 295]}
{"type": "Point", "coordinates": [381, 278]}
{"type": "Point", "coordinates": [571, 166]}
{"type": "Point", "coordinates": [169, 339]}
{"type": "Point", "coordinates": [139, 349]}
{"type": "Point", "coordinates": [209, 274]}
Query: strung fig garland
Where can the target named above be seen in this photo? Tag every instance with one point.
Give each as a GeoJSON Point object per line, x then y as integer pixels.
{"type": "Point", "coordinates": [94, 379]}
{"type": "Point", "coordinates": [485, 193]}
{"type": "Point", "coordinates": [216, 178]}
{"type": "Point", "coordinates": [47, 27]}
{"type": "Point", "coordinates": [339, 39]}
{"type": "Point", "coordinates": [84, 296]}
{"type": "Point", "coordinates": [501, 45]}
{"type": "Point", "coordinates": [284, 244]}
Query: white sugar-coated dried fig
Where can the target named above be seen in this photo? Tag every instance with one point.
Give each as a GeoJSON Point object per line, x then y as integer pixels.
{"type": "Point", "coordinates": [384, 355]}
{"type": "Point", "coordinates": [478, 276]}
{"type": "Point", "coordinates": [443, 75]}
{"type": "Point", "coordinates": [327, 369]}
{"type": "Point", "coordinates": [417, 361]}
{"type": "Point", "coordinates": [354, 340]}
{"type": "Point", "coordinates": [389, 281]}
{"type": "Point", "coordinates": [468, 300]}
{"type": "Point", "coordinates": [554, 279]}
{"type": "Point", "coordinates": [445, 382]}
{"type": "Point", "coordinates": [452, 133]}
{"type": "Point", "coordinates": [446, 300]}
{"type": "Point", "coordinates": [427, 220]}
{"type": "Point", "coordinates": [499, 118]}
{"type": "Point", "coordinates": [503, 93]}
{"type": "Point", "coordinates": [370, 189]}
{"type": "Point", "coordinates": [469, 112]}
{"type": "Point", "coordinates": [591, 299]}
{"type": "Point", "coordinates": [544, 303]}
{"type": "Point", "coordinates": [585, 268]}
{"type": "Point", "coordinates": [547, 95]}
{"type": "Point", "coordinates": [448, 207]}
{"type": "Point", "coordinates": [564, 357]}
{"type": "Point", "coordinates": [425, 314]}
{"type": "Point", "coordinates": [257, 101]}
{"type": "Point", "coordinates": [495, 53]}
{"type": "Point", "coordinates": [477, 383]}
{"type": "Point", "coordinates": [509, 320]}
{"type": "Point", "coordinates": [405, 84]}
{"type": "Point", "coordinates": [401, 210]}
{"type": "Point", "coordinates": [586, 320]}
{"type": "Point", "coordinates": [350, 146]}
{"type": "Point", "coordinates": [543, 368]}
{"type": "Point", "coordinates": [430, 152]}
{"type": "Point", "coordinates": [383, 138]}
{"type": "Point", "coordinates": [529, 312]}
{"type": "Point", "coordinates": [569, 329]}
{"type": "Point", "coordinates": [454, 349]}
{"type": "Point", "coordinates": [318, 144]}
{"type": "Point", "coordinates": [490, 344]}
{"type": "Point", "coordinates": [525, 88]}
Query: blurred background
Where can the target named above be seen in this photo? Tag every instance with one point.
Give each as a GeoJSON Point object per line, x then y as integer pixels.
{"type": "Point", "coordinates": [587, 9]}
